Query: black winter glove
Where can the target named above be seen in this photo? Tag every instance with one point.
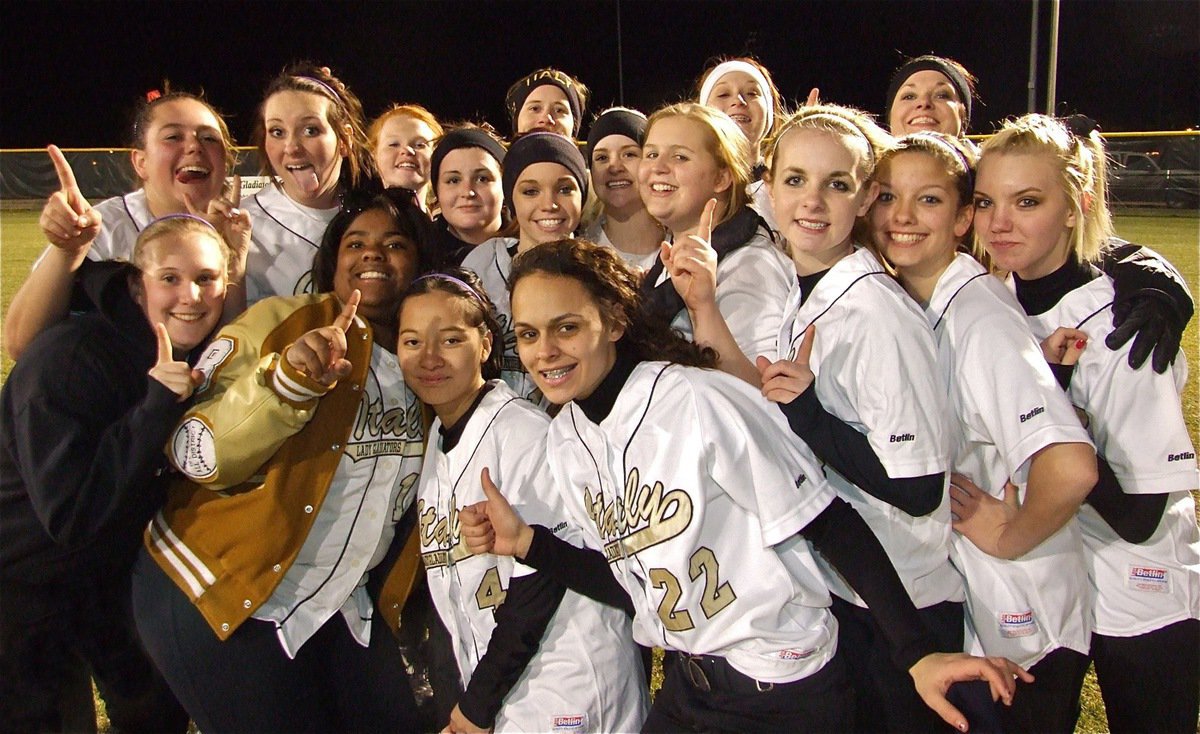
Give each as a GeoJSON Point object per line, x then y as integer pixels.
{"type": "Point", "coordinates": [1152, 305]}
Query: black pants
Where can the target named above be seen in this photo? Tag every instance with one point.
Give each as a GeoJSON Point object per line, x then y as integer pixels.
{"type": "Point", "coordinates": [884, 696]}
{"type": "Point", "coordinates": [55, 637]}
{"type": "Point", "coordinates": [1151, 682]}
{"type": "Point", "coordinates": [247, 683]}
{"type": "Point", "coordinates": [1051, 703]}
{"type": "Point", "coordinates": [734, 703]}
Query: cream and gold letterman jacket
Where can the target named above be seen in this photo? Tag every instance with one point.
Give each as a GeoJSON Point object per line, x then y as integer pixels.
{"type": "Point", "coordinates": [259, 450]}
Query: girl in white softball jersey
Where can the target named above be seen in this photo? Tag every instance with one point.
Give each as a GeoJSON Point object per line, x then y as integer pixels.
{"type": "Point", "coordinates": [545, 184]}
{"type": "Point", "coordinates": [682, 487]}
{"type": "Point", "coordinates": [532, 656]}
{"type": "Point", "coordinates": [180, 152]}
{"type": "Point", "coordinates": [311, 141]}
{"type": "Point", "coordinates": [877, 416]}
{"type": "Point", "coordinates": [1041, 214]}
{"type": "Point", "coordinates": [693, 154]}
{"type": "Point", "coordinates": [1028, 597]}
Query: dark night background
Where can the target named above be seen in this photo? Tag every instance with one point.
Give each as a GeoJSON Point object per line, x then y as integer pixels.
{"type": "Point", "coordinates": [71, 71]}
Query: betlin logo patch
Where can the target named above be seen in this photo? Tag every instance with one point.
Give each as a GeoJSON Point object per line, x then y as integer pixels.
{"type": "Point", "coordinates": [1184, 456]}
{"type": "Point", "coordinates": [1149, 578]}
{"type": "Point", "coordinates": [1017, 624]}
{"type": "Point", "coordinates": [902, 438]}
{"type": "Point", "coordinates": [1033, 413]}
{"type": "Point", "coordinates": [574, 722]}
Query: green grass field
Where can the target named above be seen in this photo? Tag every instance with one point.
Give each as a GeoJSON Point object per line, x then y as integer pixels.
{"type": "Point", "coordinates": [1176, 237]}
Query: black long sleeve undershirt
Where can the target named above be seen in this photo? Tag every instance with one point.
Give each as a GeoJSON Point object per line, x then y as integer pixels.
{"type": "Point", "coordinates": [1134, 517]}
{"type": "Point", "coordinates": [849, 452]}
{"type": "Point", "coordinates": [521, 621]}
{"type": "Point", "coordinates": [583, 570]}
{"type": "Point", "coordinates": [843, 537]}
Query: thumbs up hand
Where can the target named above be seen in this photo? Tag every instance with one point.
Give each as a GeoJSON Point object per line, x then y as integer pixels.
{"type": "Point", "coordinates": [178, 377]}
{"type": "Point", "coordinates": [493, 526]}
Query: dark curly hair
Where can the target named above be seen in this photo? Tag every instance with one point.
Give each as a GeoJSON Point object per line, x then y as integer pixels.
{"type": "Point", "coordinates": [398, 203]}
{"type": "Point", "coordinates": [480, 311]}
{"type": "Point", "coordinates": [614, 288]}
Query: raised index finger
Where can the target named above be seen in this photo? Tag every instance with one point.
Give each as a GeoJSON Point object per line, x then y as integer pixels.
{"type": "Point", "coordinates": [706, 221]}
{"type": "Point", "coordinates": [804, 353]}
{"type": "Point", "coordinates": [166, 352]}
{"type": "Point", "coordinates": [346, 317]}
{"type": "Point", "coordinates": [235, 192]}
{"type": "Point", "coordinates": [66, 177]}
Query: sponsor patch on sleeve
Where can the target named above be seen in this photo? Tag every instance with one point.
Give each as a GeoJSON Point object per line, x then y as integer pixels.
{"type": "Point", "coordinates": [213, 357]}
{"type": "Point", "coordinates": [569, 722]}
{"type": "Point", "coordinates": [1017, 624]}
{"type": "Point", "coordinates": [193, 451]}
{"type": "Point", "coordinates": [1148, 578]}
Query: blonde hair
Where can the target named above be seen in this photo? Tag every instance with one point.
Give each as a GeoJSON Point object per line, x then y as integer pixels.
{"type": "Point", "coordinates": [848, 122]}
{"type": "Point", "coordinates": [174, 226]}
{"type": "Point", "coordinates": [1082, 167]}
{"type": "Point", "coordinates": [726, 143]}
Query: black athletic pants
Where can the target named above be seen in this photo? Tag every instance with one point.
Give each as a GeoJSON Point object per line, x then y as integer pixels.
{"type": "Point", "coordinates": [885, 698]}
{"type": "Point", "coordinates": [55, 637]}
{"type": "Point", "coordinates": [1049, 705]}
{"type": "Point", "coordinates": [1151, 682]}
{"type": "Point", "coordinates": [247, 683]}
{"type": "Point", "coordinates": [705, 694]}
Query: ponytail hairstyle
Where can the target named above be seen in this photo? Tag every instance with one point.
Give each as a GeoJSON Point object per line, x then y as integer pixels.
{"type": "Point", "coordinates": [613, 285]}
{"type": "Point", "coordinates": [1077, 150]}
{"type": "Point", "coordinates": [143, 118]}
{"type": "Point", "coordinates": [344, 114]}
{"type": "Point", "coordinates": [725, 142]}
{"type": "Point", "coordinates": [478, 309]}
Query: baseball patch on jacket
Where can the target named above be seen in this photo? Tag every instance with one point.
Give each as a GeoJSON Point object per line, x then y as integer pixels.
{"type": "Point", "coordinates": [213, 357]}
{"type": "Point", "coordinates": [192, 450]}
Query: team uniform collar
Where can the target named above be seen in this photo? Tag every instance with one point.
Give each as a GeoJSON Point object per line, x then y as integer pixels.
{"type": "Point", "coordinates": [962, 271]}
{"type": "Point", "coordinates": [1039, 295]}
{"type": "Point", "coordinates": [453, 434]}
{"type": "Point", "coordinates": [600, 403]}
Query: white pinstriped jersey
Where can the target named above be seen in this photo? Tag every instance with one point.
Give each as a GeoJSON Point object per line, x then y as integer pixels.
{"type": "Point", "coordinates": [1137, 424]}
{"type": "Point", "coordinates": [1008, 407]}
{"type": "Point", "coordinates": [122, 218]}
{"type": "Point", "coordinates": [586, 665]}
{"type": "Point", "coordinates": [284, 238]}
{"type": "Point", "coordinates": [695, 490]}
{"type": "Point", "coordinates": [752, 288]}
{"type": "Point", "coordinates": [492, 262]}
{"type": "Point", "coordinates": [876, 370]}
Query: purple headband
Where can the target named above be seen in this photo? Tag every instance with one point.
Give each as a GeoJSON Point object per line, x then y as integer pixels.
{"type": "Point", "coordinates": [336, 97]}
{"type": "Point", "coordinates": [451, 279]}
{"type": "Point", "coordinates": [182, 215]}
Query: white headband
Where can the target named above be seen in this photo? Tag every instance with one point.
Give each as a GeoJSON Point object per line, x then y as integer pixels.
{"type": "Point", "coordinates": [724, 68]}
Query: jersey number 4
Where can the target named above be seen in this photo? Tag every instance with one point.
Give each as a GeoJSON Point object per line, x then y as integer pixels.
{"type": "Point", "coordinates": [716, 596]}
{"type": "Point", "coordinates": [490, 593]}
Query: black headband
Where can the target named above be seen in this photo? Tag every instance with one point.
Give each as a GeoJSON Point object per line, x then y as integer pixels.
{"type": "Point", "coordinates": [543, 147]}
{"type": "Point", "coordinates": [519, 92]}
{"type": "Point", "coordinates": [931, 63]}
{"type": "Point", "coordinates": [619, 121]}
{"type": "Point", "coordinates": [463, 138]}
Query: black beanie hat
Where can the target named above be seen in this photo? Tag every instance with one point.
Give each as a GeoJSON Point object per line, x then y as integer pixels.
{"type": "Point", "coordinates": [542, 147]}
{"type": "Point", "coordinates": [931, 63]}
{"type": "Point", "coordinates": [465, 137]}
{"type": "Point", "coordinates": [616, 121]}
{"type": "Point", "coordinates": [519, 92]}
